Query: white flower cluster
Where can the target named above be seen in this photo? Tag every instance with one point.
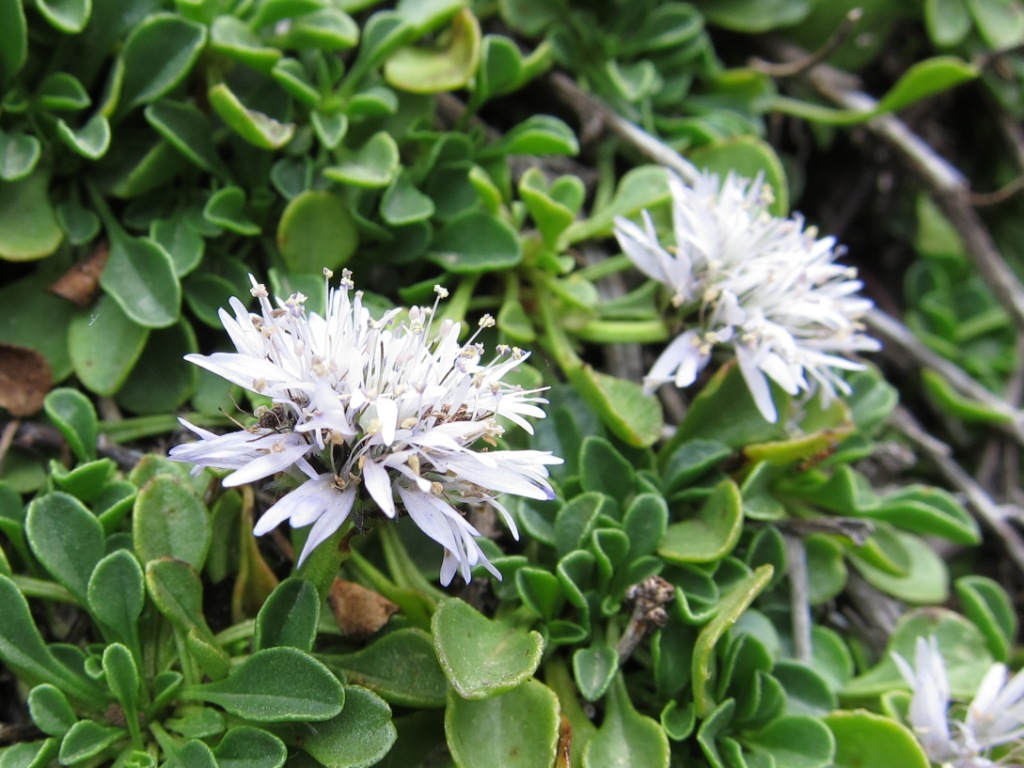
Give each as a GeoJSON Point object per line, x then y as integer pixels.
{"type": "Point", "coordinates": [994, 717]}
{"type": "Point", "coordinates": [368, 413]}
{"type": "Point", "coordinates": [765, 286]}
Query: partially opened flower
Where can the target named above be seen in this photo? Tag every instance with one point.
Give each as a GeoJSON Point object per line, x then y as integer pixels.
{"type": "Point", "coordinates": [764, 286]}
{"type": "Point", "coordinates": [398, 416]}
{"type": "Point", "coordinates": [995, 717]}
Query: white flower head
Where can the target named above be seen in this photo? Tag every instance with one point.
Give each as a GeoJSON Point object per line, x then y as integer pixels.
{"type": "Point", "coordinates": [397, 415]}
{"type": "Point", "coordinates": [762, 285]}
{"type": "Point", "coordinates": [994, 717]}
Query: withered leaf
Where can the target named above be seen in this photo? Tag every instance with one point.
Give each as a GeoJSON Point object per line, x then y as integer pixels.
{"type": "Point", "coordinates": [360, 612]}
{"type": "Point", "coordinates": [25, 379]}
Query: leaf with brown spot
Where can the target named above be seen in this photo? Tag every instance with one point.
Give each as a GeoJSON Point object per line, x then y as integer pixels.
{"type": "Point", "coordinates": [25, 378]}
{"type": "Point", "coordinates": [80, 283]}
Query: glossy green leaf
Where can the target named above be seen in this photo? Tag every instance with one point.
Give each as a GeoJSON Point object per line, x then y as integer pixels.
{"type": "Point", "coordinates": [986, 603]}
{"type": "Point", "coordinates": [357, 738]}
{"type": "Point", "coordinates": [228, 208]}
{"type": "Point", "coordinates": [515, 728]}
{"type": "Point", "coordinates": [864, 738]}
{"type": "Point", "coordinates": [1001, 24]}
{"type": "Point", "coordinates": [316, 232]}
{"type": "Point", "coordinates": [169, 521]}
{"type": "Point", "coordinates": [275, 685]}
{"type": "Point", "coordinates": [626, 737]}
{"type": "Point", "coordinates": [67, 539]}
{"type": "Point", "coordinates": [189, 131]}
{"type": "Point", "coordinates": [926, 579]}
{"type": "Point", "coordinates": [947, 21]}
{"type": "Point", "coordinates": [371, 166]}
{"type": "Point", "coordinates": [539, 590]}
{"type": "Point", "coordinates": [731, 607]}
{"type": "Point", "coordinates": [402, 203]}
{"type": "Point", "coordinates": [69, 16]}
{"type": "Point", "coordinates": [327, 29]}
{"type": "Point", "coordinates": [13, 38]}
{"type": "Point", "coordinates": [255, 127]}
{"type": "Point", "coordinates": [158, 54]}
{"type": "Point", "coordinates": [537, 135]}
{"type": "Point", "coordinates": [140, 276]}
{"type": "Point", "coordinates": [289, 617]}
{"type": "Point", "coordinates": [474, 242]}
{"type": "Point", "coordinates": [401, 667]}
{"type": "Point", "coordinates": [28, 225]}
{"type": "Point", "coordinates": [711, 533]}
{"type": "Point", "coordinates": [62, 92]}
{"type": "Point", "coordinates": [794, 741]}
{"type": "Point", "coordinates": [74, 415]}
{"type": "Point", "coordinates": [233, 38]}
{"type": "Point", "coordinates": [291, 75]}
{"type": "Point", "coordinates": [633, 416]}
{"type": "Point", "coordinates": [444, 67]}
{"type": "Point", "coordinates": [104, 344]}
{"type": "Point", "coordinates": [91, 141]}
{"type": "Point", "coordinates": [480, 656]}
{"type": "Point", "coordinates": [19, 155]}
{"type": "Point", "coordinates": [826, 568]}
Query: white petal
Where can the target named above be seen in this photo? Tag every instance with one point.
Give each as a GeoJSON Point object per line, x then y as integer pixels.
{"type": "Point", "coordinates": [378, 482]}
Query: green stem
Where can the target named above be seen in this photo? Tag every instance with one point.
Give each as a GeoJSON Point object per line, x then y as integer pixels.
{"type": "Point", "coordinates": [242, 631]}
{"type": "Point", "coordinates": [457, 304]}
{"type": "Point", "coordinates": [603, 268]}
{"type": "Point", "coordinates": [623, 331]}
{"type": "Point", "coordinates": [321, 567]}
{"type": "Point", "coordinates": [558, 679]}
{"type": "Point", "coordinates": [46, 590]}
{"type": "Point", "coordinates": [147, 426]}
{"type": "Point", "coordinates": [558, 344]}
{"type": "Point", "coordinates": [403, 570]}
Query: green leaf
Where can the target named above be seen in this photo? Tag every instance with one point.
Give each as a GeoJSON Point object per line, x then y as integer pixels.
{"type": "Point", "coordinates": [123, 680]}
{"type": "Point", "coordinates": [371, 166]}
{"type": "Point", "coordinates": [86, 740]}
{"type": "Point", "coordinates": [986, 603]}
{"type": "Point", "coordinates": [537, 135]}
{"type": "Point", "coordinates": [645, 522]}
{"type": "Point", "coordinates": [551, 216]}
{"type": "Point", "coordinates": [925, 581]}
{"type": "Point", "coordinates": [402, 203]}
{"type": "Point", "coordinates": [357, 738]}
{"type": "Point", "coordinates": [61, 92]}
{"type": "Point", "coordinates": [633, 416]}
{"type": "Point", "coordinates": [193, 754]}
{"type": "Point", "coordinates": [73, 414]}
{"type": "Point", "coordinates": [227, 208]}
{"type": "Point", "coordinates": [161, 381]}
{"type": "Point", "coordinates": [516, 728]}
{"type": "Point", "coordinates": [447, 66]}
{"type": "Point", "coordinates": [594, 669]}
{"type": "Point", "coordinates": [23, 651]}
{"type": "Point", "coordinates": [289, 617]}
{"type": "Point", "coordinates": [1000, 23]}
{"type": "Point", "coordinates": [233, 38]}
{"type": "Point", "coordinates": [13, 38]}
{"type": "Point", "coordinates": [711, 533]}
{"type": "Point", "coordinates": [140, 276]}
{"type": "Point", "coordinates": [961, 644]}
{"type": "Point", "coordinates": [796, 742]}
{"type": "Point", "coordinates": [401, 667]}
{"type": "Point", "coordinates": [69, 16]}
{"type": "Point", "coordinates": [248, 747]}
{"type": "Point", "coordinates": [731, 607]}
{"type": "Point", "coordinates": [749, 157]}
{"type": "Point", "coordinates": [474, 242]}
{"type": "Point", "coordinates": [189, 131]}
{"type": "Point", "coordinates": [626, 737]}
{"type": "Point", "coordinates": [116, 595]}
{"type": "Point", "coordinates": [177, 592]}
{"type": "Point", "coordinates": [327, 29]}
{"type": "Point", "coordinates": [482, 657]}
{"type": "Point", "coordinates": [91, 141]}
{"type": "Point", "coordinates": [947, 21]}
{"type": "Point", "coordinates": [864, 738]}
{"type": "Point", "coordinates": [28, 225]}
{"type": "Point", "coordinates": [316, 232]}
{"type": "Point", "coordinates": [291, 75]}
{"type": "Point", "coordinates": [50, 710]}
{"type": "Point", "coordinates": [157, 55]}
{"type": "Point", "coordinates": [169, 521]}
{"type": "Point", "coordinates": [604, 470]}
{"type": "Point", "coordinates": [540, 591]}
{"type": "Point", "coordinates": [67, 539]}
{"type": "Point", "coordinates": [275, 685]}
{"type": "Point", "coordinates": [255, 127]}
{"type": "Point", "coordinates": [105, 345]}
{"type": "Point", "coordinates": [19, 155]}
